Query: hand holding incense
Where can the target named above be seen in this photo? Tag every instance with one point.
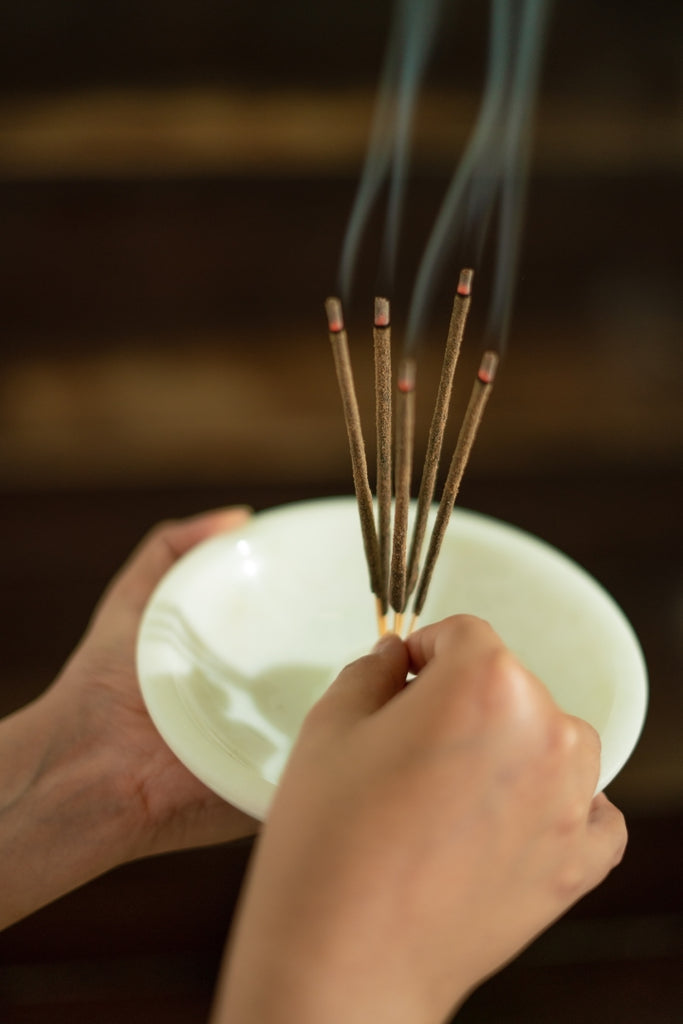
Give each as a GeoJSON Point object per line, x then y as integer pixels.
{"type": "Point", "coordinates": [359, 466]}
{"type": "Point", "coordinates": [481, 392]}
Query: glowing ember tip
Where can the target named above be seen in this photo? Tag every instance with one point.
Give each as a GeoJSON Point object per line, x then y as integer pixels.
{"type": "Point", "coordinates": [465, 281]}
{"type": "Point", "coordinates": [488, 367]}
{"type": "Point", "coordinates": [382, 318]}
{"type": "Point", "coordinates": [406, 376]}
{"type": "Point", "coordinates": [335, 318]}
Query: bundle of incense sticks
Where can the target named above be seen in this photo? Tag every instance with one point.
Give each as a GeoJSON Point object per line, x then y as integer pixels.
{"type": "Point", "coordinates": [394, 568]}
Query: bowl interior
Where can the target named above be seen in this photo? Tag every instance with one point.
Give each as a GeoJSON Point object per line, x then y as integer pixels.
{"type": "Point", "coordinates": [249, 629]}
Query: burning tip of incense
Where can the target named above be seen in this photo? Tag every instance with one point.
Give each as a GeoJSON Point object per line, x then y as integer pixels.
{"type": "Point", "coordinates": [406, 376]}
{"type": "Point", "coordinates": [465, 281]}
{"type": "Point", "coordinates": [382, 318]}
{"type": "Point", "coordinates": [488, 367]}
{"type": "Point", "coordinates": [335, 318]}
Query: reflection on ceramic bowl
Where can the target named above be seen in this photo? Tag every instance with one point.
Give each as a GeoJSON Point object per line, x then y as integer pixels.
{"type": "Point", "coordinates": [250, 627]}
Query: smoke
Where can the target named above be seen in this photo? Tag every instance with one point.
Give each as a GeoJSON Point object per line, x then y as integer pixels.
{"type": "Point", "coordinates": [488, 187]}
{"type": "Point", "coordinates": [410, 41]}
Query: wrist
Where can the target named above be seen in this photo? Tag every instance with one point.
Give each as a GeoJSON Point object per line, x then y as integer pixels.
{"type": "Point", "coordinates": [64, 818]}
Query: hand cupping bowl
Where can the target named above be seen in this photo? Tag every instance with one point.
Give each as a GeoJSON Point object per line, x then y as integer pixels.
{"type": "Point", "coordinates": [248, 629]}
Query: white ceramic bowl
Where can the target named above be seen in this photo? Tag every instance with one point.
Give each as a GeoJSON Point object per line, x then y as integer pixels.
{"type": "Point", "coordinates": [249, 628]}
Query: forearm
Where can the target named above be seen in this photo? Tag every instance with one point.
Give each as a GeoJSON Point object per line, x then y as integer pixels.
{"type": "Point", "coordinates": [64, 818]}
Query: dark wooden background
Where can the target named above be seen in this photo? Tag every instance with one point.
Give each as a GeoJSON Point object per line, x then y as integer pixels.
{"type": "Point", "coordinates": [174, 184]}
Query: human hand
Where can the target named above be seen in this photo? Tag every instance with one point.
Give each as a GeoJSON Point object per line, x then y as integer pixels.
{"type": "Point", "coordinates": [422, 835]}
{"type": "Point", "coordinates": [86, 782]}
{"type": "Point", "coordinates": [99, 688]}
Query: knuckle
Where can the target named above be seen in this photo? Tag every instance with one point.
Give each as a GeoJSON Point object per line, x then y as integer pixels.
{"type": "Point", "coordinates": [485, 695]}
{"type": "Point", "coordinates": [503, 664]}
{"type": "Point", "coordinates": [162, 531]}
{"type": "Point", "coordinates": [163, 527]}
{"type": "Point", "coordinates": [456, 631]}
{"type": "Point", "coordinates": [573, 816]}
{"type": "Point", "coordinates": [563, 736]}
{"type": "Point", "coordinates": [501, 674]}
{"type": "Point", "coordinates": [572, 745]}
{"type": "Point", "coordinates": [589, 735]}
{"type": "Point", "coordinates": [463, 626]}
{"type": "Point", "coordinates": [466, 621]}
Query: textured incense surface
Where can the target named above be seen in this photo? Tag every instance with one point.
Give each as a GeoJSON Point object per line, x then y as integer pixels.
{"type": "Point", "coordinates": [403, 462]}
{"type": "Point", "coordinates": [469, 428]}
{"type": "Point", "coordinates": [359, 466]}
{"type": "Point", "coordinates": [437, 428]}
{"type": "Point", "coordinates": [383, 404]}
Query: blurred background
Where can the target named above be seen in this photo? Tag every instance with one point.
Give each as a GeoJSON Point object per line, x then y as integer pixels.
{"type": "Point", "coordinates": [174, 185]}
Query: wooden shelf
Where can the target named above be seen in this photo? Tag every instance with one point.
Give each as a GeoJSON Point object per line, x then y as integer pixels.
{"type": "Point", "coordinates": [198, 411]}
{"type": "Point", "coordinates": [176, 132]}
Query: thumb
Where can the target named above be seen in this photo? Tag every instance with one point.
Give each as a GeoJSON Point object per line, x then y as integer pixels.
{"type": "Point", "coordinates": [163, 546]}
{"type": "Point", "coordinates": [365, 685]}
{"type": "Point", "coordinates": [117, 615]}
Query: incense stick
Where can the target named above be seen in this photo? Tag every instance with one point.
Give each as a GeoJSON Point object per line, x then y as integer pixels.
{"type": "Point", "coordinates": [481, 391]}
{"type": "Point", "coordinates": [405, 430]}
{"type": "Point", "coordinates": [342, 362]}
{"type": "Point", "coordinates": [456, 329]}
{"type": "Point", "coordinates": [382, 346]}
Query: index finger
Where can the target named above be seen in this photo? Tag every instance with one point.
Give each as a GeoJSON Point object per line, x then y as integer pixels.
{"type": "Point", "coordinates": [468, 649]}
{"type": "Point", "coordinates": [462, 637]}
